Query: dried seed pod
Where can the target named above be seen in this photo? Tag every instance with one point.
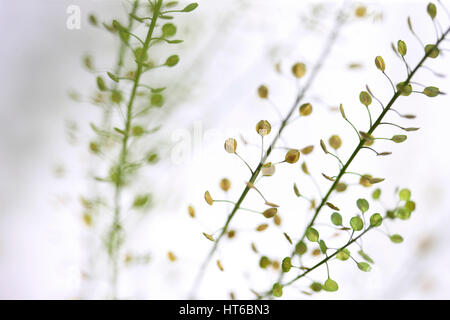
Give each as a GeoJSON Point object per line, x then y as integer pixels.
{"type": "Point", "coordinates": [270, 213]}
{"type": "Point", "coordinates": [87, 219]}
{"type": "Point", "coordinates": [230, 145]}
{"type": "Point", "coordinates": [360, 11]}
{"type": "Point", "coordinates": [263, 92]}
{"type": "Point", "coordinates": [231, 234]}
{"type": "Point", "coordinates": [271, 204]}
{"type": "Point", "coordinates": [399, 138]}
{"type": "Point", "coordinates": [341, 187]}
{"type": "Point", "coordinates": [277, 220]}
{"type": "Point", "coordinates": [268, 169]}
{"type": "Point", "coordinates": [341, 108]}
{"type": "Point", "coordinates": [171, 256]}
{"type": "Point", "coordinates": [225, 184]}
{"type": "Point", "coordinates": [332, 206]}
{"type": "Point", "coordinates": [296, 191]}
{"type": "Point", "coordinates": [254, 249]}
{"type": "Point", "coordinates": [275, 265]}
{"type": "Point", "coordinates": [292, 156]}
{"type": "Point", "coordinates": [305, 168]}
{"type": "Point", "coordinates": [365, 180]}
{"type": "Point", "coordinates": [431, 91]}
{"type": "Point", "coordinates": [263, 127]}
{"type": "Point", "coordinates": [208, 236]}
{"type": "Point", "coordinates": [262, 227]}
{"type": "Point", "coordinates": [219, 265]}
{"type": "Point", "coordinates": [307, 150]}
{"type": "Point", "coordinates": [209, 200]}
{"type": "Point", "coordinates": [305, 109]}
{"type": "Point", "coordinates": [379, 63]}
{"type": "Point", "coordinates": [299, 69]}
{"type": "Point", "coordinates": [287, 237]}
{"type": "Point", "coordinates": [327, 177]}
{"type": "Point", "coordinates": [191, 211]}
{"type": "Point", "coordinates": [335, 142]}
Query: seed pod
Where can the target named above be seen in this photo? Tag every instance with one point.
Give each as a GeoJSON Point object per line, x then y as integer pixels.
{"type": "Point", "coordinates": [286, 264]}
{"type": "Point", "coordinates": [341, 187]}
{"type": "Point", "coordinates": [292, 156]}
{"type": "Point", "coordinates": [305, 109]}
{"type": "Point", "coordinates": [431, 91]}
{"type": "Point", "coordinates": [171, 256]}
{"type": "Point", "coordinates": [299, 70]}
{"type": "Point", "coordinates": [277, 220]}
{"type": "Point", "coordinates": [296, 191]}
{"type": "Point", "coordinates": [208, 198]}
{"type": "Point", "coordinates": [101, 84]}
{"type": "Point", "coordinates": [230, 145]}
{"type": "Point", "coordinates": [225, 184]}
{"type": "Point", "coordinates": [169, 30]}
{"type": "Point", "coordinates": [263, 128]}
{"type": "Point", "coordinates": [405, 89]}
{"type": "Point", "coordinates": [305, 168]}
{"type": "Point", "coordinates": [379, 62]}
{"type": "Point", "coordinates": [341, 108]}
{"type": "Point", "coordinates": [307, 150]}
{"type": "Point", "coordinates": [365, 98]}
{"type": "Point", "coordinates": [335, 142]}
{"type": "Point", "coordinates": [231, 234]}
{"type": "Point", "coordinates": [365, 180]}
{"type": "Point", "coordinates": [275, 265]}
{"type": "Point", "coordinates": [268, 169]}
{"type": "Point", "coordinates": [324, 147]}
{"type": "Point", "coordinates": [264, 262]}
{"type": "Point", "coordinates": [332, 206]}
{"type": "Point", "coordinates": [191, 211]}
{"type": "Point", "coordinates": [87, 219]}
{"type": "Point", "coordinates": [431, 10]}
{"type": "Point", "coordinates": [401, 48]}
{"type": "Point", "coordinates": [172, 60]}
{"type": "Point", "coordinates": [219, 265]}
{"type": "Point", "coordinates": [208, 236]}
{"type": "Point", "coordinates": [270, 213]}
{"type": "Point", "coordinates": [327, 177]}
{"type": "Point", "coordinates": [360, 11]}
{"type": "Point", "coordinates": [399, 138]}
{"type": "Point", "coordinates": [157, 100]}
{"type": "Point", "coordinates": [262, 227]}
{"type": "Point", "coordinates": [263, 92]}
{"type": "Point", "coordinates": [137, 131]}
{"type": "Point", "coordinates": [287, 237]}
{"type": "Point", "coordinates": [432, 51]}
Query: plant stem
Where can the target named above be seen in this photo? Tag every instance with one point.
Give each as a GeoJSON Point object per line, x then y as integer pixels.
{"type": "Point", "coordinates": [317, 67]}
{"type": "Point", "coordinates": [361, 143]}
{"type": "Point", "coordinates": [116, 226]}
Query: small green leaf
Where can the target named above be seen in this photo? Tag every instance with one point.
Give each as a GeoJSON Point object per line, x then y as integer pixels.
{"type": "Point", "coordinates": [277, 290]}
{"type": "Point", "coordinates": [330, 286]}
{"type": "Point", "coordinates": [376, 220]}
{"type": "Point", "coordinates": [404, 194]}
{"type": "Point", "coordinates": [364, 266]}
{"type": "Point", "coordinates": [431, 91]}
{"type": "Point", "coordinates": [396, 238]}
{"type": "Point", "coordinates": [336, 219]}
{"type": "Point", "coordinates": [190, 7]}
{"type": "Point", "coordinates": [312, 234]}
{"type": "Point", "coordinates": [401, 47]}
{"type": "Point", "coordinates": [286, 264]}
{"type": "Point", "coordinates": [356, 223]}
{"type": "Point", "coordinates": [362, 204]}
{"type": "Point", "coordinates": [365, 98]}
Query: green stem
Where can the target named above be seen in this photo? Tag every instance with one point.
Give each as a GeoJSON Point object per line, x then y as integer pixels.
{"type": "Point", "coordinates": [116, 226]}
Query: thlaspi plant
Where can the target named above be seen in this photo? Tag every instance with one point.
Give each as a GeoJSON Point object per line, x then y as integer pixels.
{"type": "Point", "coordinates": [359, 225]}
{"type": "Point", "coordinates": [126, 95]}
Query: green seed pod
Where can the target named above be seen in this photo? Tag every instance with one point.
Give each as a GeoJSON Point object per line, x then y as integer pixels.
{"type": "Point", "coordinates": [101, 84]}
{"type": "Point", "coordinates": [404, 194]}
{"type": "Point", "coordinates": [330, 286]}
{"type": "Point", "coordinates": [190, 7]}
{"type": "Point", "coordinates": [208, 236]}
{"type": "Point", "coordinates": [431, 91]}
{"type": "Point", "coordinates": [305, 109]}
{"type": "Point", "coordinates": [323, 247]}
{"type": "Point", "coordinates": [141, 200]}
{"type": "Point", "coordinates": [301, 248]}
{"type": "Point", "coordinates": [286, 264]}
{"type": "Point", "coordinates": [277, 290]}
{"type": "Point", "coordinates": [157, 100]}
{"type": "Point", "coordinates": [379, 63]}
{"type": "Point", "coordinates": [365, 256]}
{"type": "Point", "coordinates": [401, 48]}
{"type": "Point", "coordinates": [335, 142]}
{"type": "Point", "coordinates": [405, 89]}
{"type": "Point", "coordinates": [431, 10]}
{"type": "Point", "coordinates": [343, 254]}
{"type": "Point", "coordinates": [376, 194]}
{"type": "Point", "coordinates": [396, 238]}
{"type": "Point", "coordinates": [312, 234]}
{"type": "Point", "coordinates": [263, 92]}
{"type": "Point", "coordinates": [362, 205]}
{"type": "Point", "coordinates": [169, 30]}
{"type": "Point", "coordinates": [356, 223]}
{"type": "Point", "coordinates": [365, 98]}
{"type": "Point", "coordinates": [399, 138]}
{"type": "Point", "coordinates": [364, 266]}
{"type": "Point", "coordinates": [376, 220]}
{"type": "Point", "coordinates": [432, 51]}
{"type": "Point", "coordinates": [316, 286]}
{"type": "Point", "coordinates": [172, 60]}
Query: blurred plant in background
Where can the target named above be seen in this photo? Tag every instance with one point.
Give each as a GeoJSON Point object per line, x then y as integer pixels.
{"type": "Point", "coordinates": [124, 140]}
